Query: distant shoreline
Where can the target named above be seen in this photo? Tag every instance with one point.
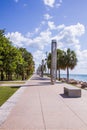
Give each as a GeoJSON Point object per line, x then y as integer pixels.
{"type": "Point", "coordinates": [79, 77]}
{"type": "Point", "coordinates": [77, 83]}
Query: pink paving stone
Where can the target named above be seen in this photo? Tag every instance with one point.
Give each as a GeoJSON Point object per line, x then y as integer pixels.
{"type": "Point", "coordinates": [42, 106]}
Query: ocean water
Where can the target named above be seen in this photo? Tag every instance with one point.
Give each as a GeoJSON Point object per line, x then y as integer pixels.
{"type": "Point", "coordinates": [80, 77]}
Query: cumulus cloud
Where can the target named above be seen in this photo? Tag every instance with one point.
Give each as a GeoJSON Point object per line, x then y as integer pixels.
{"type": "Point", "coordinates": [47, 17]}
{"type": "Point", "coordinates": [17, 38]}
{"type": "Point", "coordinates": [51, 25]}
{"type": "Point", "coordinates": [42, 40]}
{"type": "Point", "coordinates": [38, 56]}
{"type": "Point", "coordinates": [66, 36]}
{"type": "Point", "coordinates": [38, 42]}
{"type": "Point", "coordinates": [76, 30]}
{"type": "Point", "coordinates": [49, 3]}
{"type": "Point", "coordinates": [62, 26]}
{"type": "Point", "coordinates": [53, 3]}
{"type": "Point", "coordinates": [81, 67]}
{"type": "Point", "coordinates": [69, 35]}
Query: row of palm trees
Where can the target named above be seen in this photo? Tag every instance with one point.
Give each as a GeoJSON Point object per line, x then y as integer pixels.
{"type": "Point", "coordinates": [65, 60]}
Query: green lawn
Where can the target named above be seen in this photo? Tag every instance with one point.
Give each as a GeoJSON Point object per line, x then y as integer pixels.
{"type": "Point", "coordinates": [6, 92]}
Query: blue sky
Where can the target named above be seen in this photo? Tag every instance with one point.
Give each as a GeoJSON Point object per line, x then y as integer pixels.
{"type": "Point", "coordinates": [32, 24]}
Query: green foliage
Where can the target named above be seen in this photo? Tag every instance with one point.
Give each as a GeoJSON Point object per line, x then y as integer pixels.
{"type": "Point", "coordinates": [49, 61]}
{"type": "Point", "coordinates": [28, 64]}
{"type": "Point", "coordinates": [70, 61]}
{"type": "Point", "coordinates": [65, 60]}
{"type": "Point", "coordinates": [14, 60]}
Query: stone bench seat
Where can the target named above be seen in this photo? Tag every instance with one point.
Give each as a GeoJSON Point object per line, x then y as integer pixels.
{"type": "Point", "coordinates": [72, 91]}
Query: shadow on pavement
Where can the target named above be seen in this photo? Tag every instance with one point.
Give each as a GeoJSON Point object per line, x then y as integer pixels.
{"type": "Point", "coordinates": [40, 84]}
{"type": "Point", "coordinates": [39, 78]}
{"type": "Point", "coordinates": [66, 96]}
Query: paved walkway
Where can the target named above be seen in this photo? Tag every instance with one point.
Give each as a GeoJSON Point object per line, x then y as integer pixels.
{"type": "Point", "coordinates": [42, 106]}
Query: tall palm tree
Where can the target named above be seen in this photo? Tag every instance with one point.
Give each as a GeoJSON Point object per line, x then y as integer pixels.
{"type": "Point", "coordinates": [49, 62]}
{"type": "Point", "coordinates": [60, 61]}
{"type": "Point", "coordinates": [70, 61]}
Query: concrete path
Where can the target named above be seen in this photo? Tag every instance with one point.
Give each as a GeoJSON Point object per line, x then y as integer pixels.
{"type": "Point", "coordinates": [43, 106]}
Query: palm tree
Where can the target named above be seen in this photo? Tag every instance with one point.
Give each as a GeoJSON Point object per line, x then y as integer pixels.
{"type": "Point", "coordinates": [49, 62]}
{"type": "Point", "coordinates": [60, 61]}
{"type": "Point", "coordinates": [70, 61]}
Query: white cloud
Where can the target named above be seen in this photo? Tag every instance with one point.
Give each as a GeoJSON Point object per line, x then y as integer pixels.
{"type": "Point", "coordinates": [62, 26]}
{"type": "Point", "coordinates": [38, 56]}
{"type": "Point", "coordinates": [38, 42]}
{"type": "Point", "coordinates": [76, 30]}
{"type": "Point", "coordinates": [49, 3]}
{"type": "Point", "coordinates": [59, 3]}
{"type": "Point", "coordinates": [29, 34]}
{"type": "Point", "coordinates": [66, 36]}
{"type": "Point", "coordinates": [47, 16]}
{"type": "Point", "coordinates": [81, 67]}
{"type": "Point", "coordinates": [51, 25]}
{"type": "Point", "coordinates": [37, 30]}
{"type": "Point", "coordinates": [69, 35]}
{"type": "Point", "coordinates": [16, 38]}
{"type": "Point", "coordinates": [42, 40]}
{"type": "Point", "coordinates": [53, 3]}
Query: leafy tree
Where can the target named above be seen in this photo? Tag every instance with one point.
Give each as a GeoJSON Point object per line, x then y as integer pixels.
{"type": "Point", "coordinates": [14, 57]}
{"type": "Point", "coordinates": [70, 61]}
{"type": "Point", "coordinates": [28, 65]}
{"type": "Point", "coordinates": [60, 61]}
{"type": "Point", "coordinates": [49, 61]}
{"type": "Point", "coordinates": [4, 43]}
{"type": "Point", "coordinates": [14, 60]}
{"type": "Point", "coordinates": [65, 60]}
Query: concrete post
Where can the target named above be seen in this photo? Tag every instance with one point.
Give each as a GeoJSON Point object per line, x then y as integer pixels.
{"type": "Point", "coordinates": [42, 68]}
{"type": "Point", "coordinates": [53, 61]}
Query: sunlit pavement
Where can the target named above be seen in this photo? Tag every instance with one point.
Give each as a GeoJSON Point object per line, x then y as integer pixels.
{"type": "Point", "coordinates": [42, 106]}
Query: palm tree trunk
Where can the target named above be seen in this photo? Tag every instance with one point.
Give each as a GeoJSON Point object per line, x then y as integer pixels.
{"type": "Point", "coordinates": [59, 74]}
{"type": "Point", "coordinates": [67, 74]}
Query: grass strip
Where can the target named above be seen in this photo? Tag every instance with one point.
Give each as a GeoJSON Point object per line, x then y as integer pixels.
{"type": "Point", "coordinates": [6, 92]}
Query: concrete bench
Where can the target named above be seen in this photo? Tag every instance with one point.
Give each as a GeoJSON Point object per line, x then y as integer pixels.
{"type": "Point", "coordinates": [72, 91]}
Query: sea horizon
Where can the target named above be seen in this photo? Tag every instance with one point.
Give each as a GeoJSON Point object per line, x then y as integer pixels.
{"type": "Point", "coordinates": [80, 77]}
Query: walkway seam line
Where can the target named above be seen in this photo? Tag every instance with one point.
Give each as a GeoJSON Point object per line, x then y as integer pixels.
{"type": "Point", "coordinates": [74, 112]}
{"type": "Point", "coordinates": [42, 111]}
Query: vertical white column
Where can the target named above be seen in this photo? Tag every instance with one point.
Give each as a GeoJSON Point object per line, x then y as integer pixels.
{"type": "Point", "coordinates": [53, 61]}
